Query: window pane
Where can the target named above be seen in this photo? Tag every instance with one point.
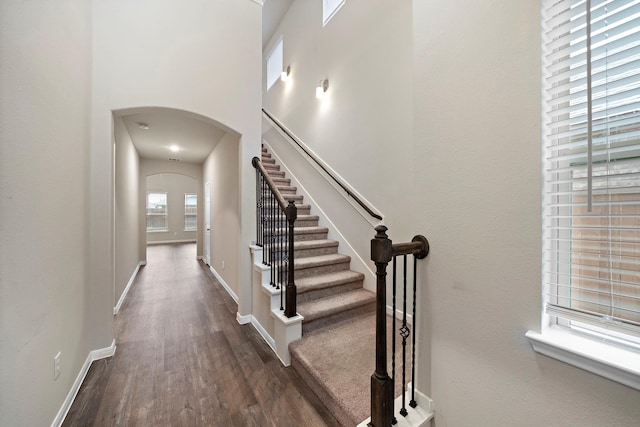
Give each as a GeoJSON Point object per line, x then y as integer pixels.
{"type": "Point", "coordinates": [157, 212]}
{"type": "Point", "coordinates": [190, 212]}
{"type": "Point", "coordinates": [592, 154]}
{"type": "Point", "coordinates": [275, 63]}
{"type": "Point", "coordinates": [329, 9]}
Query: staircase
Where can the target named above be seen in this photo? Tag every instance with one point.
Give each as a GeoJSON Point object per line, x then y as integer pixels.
{"type": "Point", "coordinates": [328, 291]}
{"type": "Point", "coordinates": [336, 353]}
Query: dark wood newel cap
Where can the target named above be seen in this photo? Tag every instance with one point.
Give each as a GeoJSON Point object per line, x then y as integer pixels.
{"type": "Point", "coordinates": [381, 246]}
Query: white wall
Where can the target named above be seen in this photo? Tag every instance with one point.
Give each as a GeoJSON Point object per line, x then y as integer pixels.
{"type": "Point", "coordinates": [176, 186]}
{"type": "Point", "coordinates": [197, 56]}
{"type": "Point", "coordinates": [477, 179]}
{"type": "Point", "coordinates": [127, 177]}
{"type": "Point", "coordinates": [363, 129]}
{"type": "Point", "coordinates": [45, 71]}
{"type": "Point", "coordinates": [149, 168]}
{"type": "Point", "coordinates": [221, 169]}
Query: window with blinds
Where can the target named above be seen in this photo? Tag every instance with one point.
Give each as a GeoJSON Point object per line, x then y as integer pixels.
{"type": "Point", "coordinates": [592, 166]}
{"type": "Point", "coordinates": [190, 212]}
{"type": "Point", "coordinates": [157, 212]}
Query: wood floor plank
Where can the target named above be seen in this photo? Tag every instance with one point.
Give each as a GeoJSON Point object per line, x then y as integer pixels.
{"type": "Point", "coordinates": [183, 360]}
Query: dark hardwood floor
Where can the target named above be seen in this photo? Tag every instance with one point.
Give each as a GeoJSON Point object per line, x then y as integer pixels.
{"type": "Point", "coordinates": [183, 360]}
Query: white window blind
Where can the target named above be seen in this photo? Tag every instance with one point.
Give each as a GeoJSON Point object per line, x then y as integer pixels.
{"type": "Point", "coordinates": [592, 165]}
{"type": "Point", "coordinates": [157, 212]}
{"type": "Point", "coordinates": [190, 212]}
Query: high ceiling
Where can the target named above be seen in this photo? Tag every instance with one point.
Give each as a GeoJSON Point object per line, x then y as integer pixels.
{"type": "Point", "coordinates": [194, 137]}
{"type": "Point", "coordinates": [272, 13]}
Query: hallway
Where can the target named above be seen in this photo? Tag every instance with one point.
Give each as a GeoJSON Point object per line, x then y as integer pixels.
{"type": "Point", "coordinates": [183, 360]}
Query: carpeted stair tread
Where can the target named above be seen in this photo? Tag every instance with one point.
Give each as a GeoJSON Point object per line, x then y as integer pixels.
{"type": "Point", "coordinates": [287, 188]}
{"type": "Point", "coordinates": [320, 264]}
{"type": "Point", "coordinates": [320, 260]}
{"type": "Point", "coordinates": [338, 360]}
{"type": "Point", "coordinates": [328, 280]}
{"type": "Point", "coordinates": [334, 304]}
{"type": "Point", "coordinates": [310, 230]}
{"type": "Point", "coordinates": [309, 244]}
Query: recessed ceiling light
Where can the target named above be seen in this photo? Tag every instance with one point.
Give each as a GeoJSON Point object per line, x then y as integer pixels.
{"type": "Point", "coordinates": [174, 148]}
{"type": "Point", "coordinates": [143, 125]}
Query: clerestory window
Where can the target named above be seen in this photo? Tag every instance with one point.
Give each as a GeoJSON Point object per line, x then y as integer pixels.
{"type": "Point", "coordinates": [329, 9]}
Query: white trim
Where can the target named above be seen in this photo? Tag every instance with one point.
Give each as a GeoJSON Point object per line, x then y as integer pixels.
{"type": "Point", "coordinates": [162, 242]}
{"type": "Point", "coordinates": [224, 284]}
{"type": "Point", "coordinates": [596, 356]}
{"type": "Point", "coordinates": [116, 309]}
{"type": "Point", "coordinates": [243, 320]}
{"type": "Point", "coordinates": [399, 314]}
{"type": "Point", "coordinates": [260, 2]}
{"type": "Point", "coordinates": [263, 333]}
{"type": "Point", "coordinates": [419, 416]}
{"type": "Point", "coordinates": [71, 396]}
{"type": "Point", "coordinates": [143, 262]}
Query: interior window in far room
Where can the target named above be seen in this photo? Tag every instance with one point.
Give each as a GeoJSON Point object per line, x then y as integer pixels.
{"type": "Point", "coordinates": [157, 212]}
{"type": "Point", "coordinates": [190, 212]}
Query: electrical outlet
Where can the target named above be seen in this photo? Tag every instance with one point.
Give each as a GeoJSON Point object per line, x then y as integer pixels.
{"type": "Point", "coordinates": [56, 365]}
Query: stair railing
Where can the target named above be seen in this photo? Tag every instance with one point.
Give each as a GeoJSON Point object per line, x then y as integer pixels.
{"type": "Point", "coordinates": [275, 219]}
{"type": "Point", "coordinates": [349, 192]}
{"type": "Point", "coordinates": [383, 251]}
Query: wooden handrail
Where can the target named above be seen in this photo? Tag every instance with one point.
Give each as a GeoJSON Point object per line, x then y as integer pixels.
{"type": "Point", "coordinates": [350, 193]}
{"type": "Point", "coordinates": [272, 186]}
{"type": "Point", "coordinates": [276, 246]}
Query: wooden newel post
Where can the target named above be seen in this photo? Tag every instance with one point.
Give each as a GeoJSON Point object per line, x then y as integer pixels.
{"type": "Point", "coordinates": [381, 383]}
{"type": "Point", "coordinates": [290, 304]}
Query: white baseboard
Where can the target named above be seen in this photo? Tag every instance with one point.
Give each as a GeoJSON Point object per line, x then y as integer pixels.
{"type": "Point", "coordinates": [264, 334]}
{"type": "Point", "coordinates": [116, 309]}
{"type": "Point", "coordinates": [399, 315]}
{"type": "Point", "coordinates": [71, 396]}
{"type": "Point", "coordinates": [243, 320]}
{"type": "Point", "coordinates": [164, 242]}
{"type": "Point", "coordinates": [224, 284]}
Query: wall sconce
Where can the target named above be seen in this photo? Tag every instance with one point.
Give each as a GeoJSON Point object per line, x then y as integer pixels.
{"type": "Point", "coordinates": [322, 88]}
{"type": "Point", "coordinates": [284, 76]}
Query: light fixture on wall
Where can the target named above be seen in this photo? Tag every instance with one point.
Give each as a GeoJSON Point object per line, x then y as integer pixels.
{"type": "Point", "coordinates": [284, 76]}
{"type": "Point", "coordinates": [174, 148]}
{"type": "Point", "coordinates": [322, 88]}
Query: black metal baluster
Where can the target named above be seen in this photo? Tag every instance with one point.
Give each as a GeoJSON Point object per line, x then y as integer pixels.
{"type": "Point", "coordinates": [413, 402]}
{"type": "Point", "coordinates": [258, 207]}
{"type": "Point", "coordinates": [404, 331]}
{"type": "Point", "coordinates": [272, 239]}
{"type": "Point", "coordinates": [276, 224]}
{"type": "Point", "coordinates": [394, 420]}
{"type": "Point", "coordinates": [282, 278]}
{"type": "Point", "coordinates": [265, 228]}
